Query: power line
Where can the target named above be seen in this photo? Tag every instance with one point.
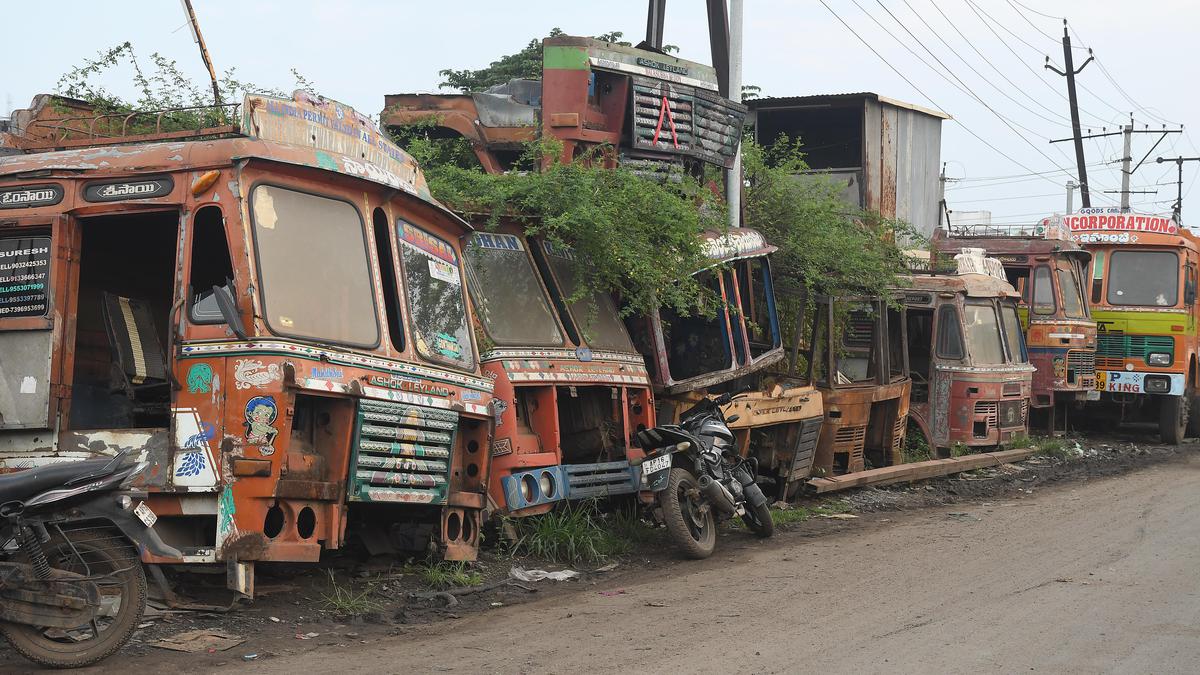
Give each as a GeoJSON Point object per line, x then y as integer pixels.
{"type": "Point", "coordinates": [1006, 199]}
{"type": "Point", "coordinates": [921, 91]}
{"type": "Point", "coordinates": [966, 88]}
{"type": "Point", "coordinates": [990, 64]}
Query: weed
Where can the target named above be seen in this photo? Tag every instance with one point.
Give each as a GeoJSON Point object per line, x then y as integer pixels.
{"type": "Point", "coordinates": [574, 532]}
{"type": "Point", "coordinates": [832, 507]}
{"type": "Point", "coordinates": [916, 448]}
{"type": "Point", "coordinates": [344, 600]}
{"type": "Point", "coordinates": [443, 574]}
{"type": "Point", "coordinates": [1020, 442]}
{"type": "Point", "coordinates": [1052, 447]}
{"type": "Point", "coordinates": [796, 514]}
{"type": "Point", "coordinates": [959, 449]}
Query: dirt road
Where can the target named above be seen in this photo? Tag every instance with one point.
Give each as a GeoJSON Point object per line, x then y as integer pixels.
{"type": "Point", "coordinates": [1089, 577]}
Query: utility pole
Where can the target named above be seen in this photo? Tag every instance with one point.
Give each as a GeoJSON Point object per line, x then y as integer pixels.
{"type": "Point", "coordinates": [1070, 74]}
{"type": "Point", "coordinates": [733, 181]}
{"type": "Point", "coordinates": [654, 23]}
{"type": "Point", "coordinates": [195, 26]}
{"type": "Point", "coordinates": [1071, 185]}
{"type": "Point", "coordinates": [942, 198]}
{"type": "Point", "coordinates": [1178, 208]}
{"type": "Point", "coordinates": [1126, 160]}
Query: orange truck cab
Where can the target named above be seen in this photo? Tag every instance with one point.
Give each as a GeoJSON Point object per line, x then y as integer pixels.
{"type": "Point", "coordinates": [271, 315]}
{"type": "Point", "coordinates": [570, 389]}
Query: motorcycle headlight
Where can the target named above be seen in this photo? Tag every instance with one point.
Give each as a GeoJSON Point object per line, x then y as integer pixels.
{"type": "Point", "coordinates": [1159, 359]}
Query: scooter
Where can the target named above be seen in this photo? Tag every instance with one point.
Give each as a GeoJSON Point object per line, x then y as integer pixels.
{"type": "Point", "coordinates": [699, 478]}
{"type": "Point", "coordinates": [72, 586]}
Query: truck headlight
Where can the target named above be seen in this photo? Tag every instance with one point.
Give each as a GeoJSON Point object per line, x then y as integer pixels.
{"type": "Point", "coordinates": [1159, 359]}
{"type": "Point", "coordinates": [1157, 384]}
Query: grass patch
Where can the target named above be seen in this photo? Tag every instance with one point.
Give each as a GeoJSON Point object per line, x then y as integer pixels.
{"type": "Point", "coordinates": [345, 600]}
{"type": "Point", "coordinates": [576, 532]}
{"type": "Point", "coordinates": [799, 514]}
{"type": "Point", "coordinates": [1020, 442]}
{"type": "Point", "coordinates": [960, 449]}
{"type": "Point", "coordinates": [445, 574]}
{"type": "Point", "coordinates": [1052, 447]}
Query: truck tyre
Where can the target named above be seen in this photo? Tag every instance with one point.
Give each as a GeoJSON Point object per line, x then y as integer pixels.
{"type": "Point", "coordinates": [1173, 418]}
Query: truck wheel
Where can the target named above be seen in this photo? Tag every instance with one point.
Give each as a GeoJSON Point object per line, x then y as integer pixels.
{"type": "Point", "coordinates": [690, 521]}
{"type": "Point", "coordinates": [1193, 421]}
{"type": "Point", "coordinates": [1173, 418]}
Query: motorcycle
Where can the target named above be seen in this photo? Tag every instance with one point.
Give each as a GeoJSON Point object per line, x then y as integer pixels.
{"type": "Point", "coordinates": [72, 586]}
{"type": "Point", "coordinates": [700, 479]}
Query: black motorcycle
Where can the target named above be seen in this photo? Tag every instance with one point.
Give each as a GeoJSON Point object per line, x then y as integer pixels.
{"type": "Point", "coordinates": [72, 586]}
{"type": "Point", "coordinates": [700, 479]}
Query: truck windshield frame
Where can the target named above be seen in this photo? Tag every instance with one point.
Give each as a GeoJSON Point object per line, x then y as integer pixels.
{"type": "Point", "coordinates": [314, 272]}
{"type": "Point", "coordinates": [509, 298]}
{"type": "Point", "coordinates": [1143, 278]}
{"type": "Point", "coordinates": [437, 305]}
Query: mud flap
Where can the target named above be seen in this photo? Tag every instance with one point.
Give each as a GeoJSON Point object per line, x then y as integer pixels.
{"type": "Point", "coordinates": [239, 576]}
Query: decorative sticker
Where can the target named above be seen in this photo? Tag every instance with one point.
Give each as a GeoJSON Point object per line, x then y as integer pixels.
{"type": "Point", "coordinates": [499, 407]}
{"type": "Point", "coordinates": [200, 378]}
{"type": "Point", "coordinates": [443, 271]}
{"type": "Point", "coordinates": [24, 276]}
{"type": "Point", "coordinates": [501, 446]}
{"type": "Point", "coordinates": [447, 345]}
{"type": "Point", "coordinates": [503, 242]}
{"type": "Point", "coordinates": [427, 243]}
{"type": "Point", "coordinates": [193, 464]}
{"type": "Point", "coordinates": [261, 413]}
{"type": "Point", "coordinates": [253, 373]}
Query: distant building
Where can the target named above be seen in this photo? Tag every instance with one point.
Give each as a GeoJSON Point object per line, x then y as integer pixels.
{"type": "Point", "coordinates": [887, 152]}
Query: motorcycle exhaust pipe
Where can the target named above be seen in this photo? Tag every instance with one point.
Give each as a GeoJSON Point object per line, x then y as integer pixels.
{"type": "Point", "coordinates": [717, 495]}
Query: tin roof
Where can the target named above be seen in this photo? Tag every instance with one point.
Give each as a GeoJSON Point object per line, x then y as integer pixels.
{"type": "Point", "coordinates": [829, 99]}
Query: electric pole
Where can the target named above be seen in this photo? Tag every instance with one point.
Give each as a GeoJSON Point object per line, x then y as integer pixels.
{"type": "Point", "coordinates": [195, 26]}
{"type": "Point", "coordinates": [1127, 131]}
{"type": "Point", "coordinates": [1126, 159]}
{"type": "Point", "coordinates": [1071, 185]}
{"type": "Point", "coordinates": [1178, 208]}
{"type": "Point", "coordinates": [942, 198]}
{"type": "Point", "coordinates": [1071, 72]}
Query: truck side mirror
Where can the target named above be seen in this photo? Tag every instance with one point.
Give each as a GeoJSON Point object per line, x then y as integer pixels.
{"type": "Point", "coordinates": [229, 311]}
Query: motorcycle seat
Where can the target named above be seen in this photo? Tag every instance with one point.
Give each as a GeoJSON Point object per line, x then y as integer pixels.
{"type": "Point", "coordinates": [21, 485]}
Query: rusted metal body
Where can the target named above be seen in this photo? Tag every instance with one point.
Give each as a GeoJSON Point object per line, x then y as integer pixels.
{"type": "Point", "coordinates": [570, 389]}
{"type": "Point", "coordinates": [1048, 270]}
{"type": "Point", "coordinates": [689, 357]}
{"type": "Point", "coordinates": [971, 377]}
{"type": "Point", "coordinates": [859, 366]}
{"type": "Point", "coordinates": [651, 107]}
{"type": "Point", "coordinates": [335, 402]}
{"type": "Point", "coordinates": [885, 153]}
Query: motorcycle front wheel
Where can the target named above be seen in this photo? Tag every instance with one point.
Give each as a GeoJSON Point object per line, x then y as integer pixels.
{"type": "Point", "coordinates": [105, 556]}
{"type": "Point", "coordinates": [690, 521]}
{"type": "Point", "coordinates": [758, 519]}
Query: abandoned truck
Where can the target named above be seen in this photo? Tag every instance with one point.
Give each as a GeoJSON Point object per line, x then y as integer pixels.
{"type": "Point", "coordinates": [269, 313]}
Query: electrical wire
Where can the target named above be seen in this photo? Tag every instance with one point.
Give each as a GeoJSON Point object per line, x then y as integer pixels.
{"type": "Point", "coordinates": [921, 91]}
{"type": "Point", "coordinates": [1061, 118]}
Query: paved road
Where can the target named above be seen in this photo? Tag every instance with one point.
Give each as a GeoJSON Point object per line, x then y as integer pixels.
{"type": "Point", "coordinates": [1089, 577]}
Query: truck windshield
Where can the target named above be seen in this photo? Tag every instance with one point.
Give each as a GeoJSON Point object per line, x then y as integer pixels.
{"type": "Point", "coordinates": [437, 309]}
{"type": "Point", "coordinates": [984, 340]}
{"type": "Point", "coordinates": [1012, 331]}
{"type": "Point", "coordinates": [508, 297]}
{"type": "Point", "coordinates": [597, 317]}
{"type": "Point", "coordinates": [312, 259]}
{"type": "Point", "coordinates": [1072, 300]}
{"type": "Point", "coordinates": [1147, 278]}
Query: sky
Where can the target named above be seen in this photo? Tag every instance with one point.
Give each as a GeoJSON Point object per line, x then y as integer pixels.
{"type": "Point", "coordinates": [980, 61]}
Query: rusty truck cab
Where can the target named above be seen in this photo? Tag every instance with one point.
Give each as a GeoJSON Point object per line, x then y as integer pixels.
{"type": "Point", "coordinates": [857, 360]}
{"type": "Point", "coordinates": [571, 391]}
{"type": "Point", "coordinates": [272, 319]}
{"type": "Point", "coordinates": [691, 356]}
{"type": "Point", "coordinates": [971, 375]}
{"type": "Point", "coordinates": [1048, 270]}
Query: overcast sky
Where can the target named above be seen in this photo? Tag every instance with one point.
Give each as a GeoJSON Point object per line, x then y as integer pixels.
{"type": "Point", "coordinates": [356, 51]}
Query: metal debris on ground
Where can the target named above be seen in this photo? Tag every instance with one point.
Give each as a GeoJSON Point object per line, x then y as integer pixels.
{"type": "Point", "coordinates": [197, 641]}
{"type": "Point", "coordinates": [838, 516]}
{"type": "Point", "coordinates": [307, 636]}
{"type": "Point", "coordinates": [609, 594]}
{"type": "Point", "coordinates": [607, 568]}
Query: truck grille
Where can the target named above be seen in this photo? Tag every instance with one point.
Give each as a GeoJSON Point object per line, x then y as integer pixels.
{"type": "Point", "coordinates": [706, 126]}
{"type": "Point", "coordinates": [401, 453]}
{"type": "Point", "coordinates": [1002, 414]}
{"type": "Point", "coordinates": [1113, 347]}
{"type": "Point", "coordinates": [1081, 368]}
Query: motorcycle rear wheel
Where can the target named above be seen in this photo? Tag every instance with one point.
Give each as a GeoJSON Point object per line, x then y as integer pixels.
{"type": "Point", "coordinates": [692, 529]}
{"type": "Point", "coordinates": [101, 551]}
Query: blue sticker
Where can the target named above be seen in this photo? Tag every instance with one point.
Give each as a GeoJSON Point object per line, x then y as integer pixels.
{"type": "Point", "coordinates": [192, 464]}
{"type": "Point", "coordinates": [260, 414]}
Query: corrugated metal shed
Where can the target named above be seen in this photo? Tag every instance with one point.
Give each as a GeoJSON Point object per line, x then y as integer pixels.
{"type": "Point", "coordinates": [889, 149]}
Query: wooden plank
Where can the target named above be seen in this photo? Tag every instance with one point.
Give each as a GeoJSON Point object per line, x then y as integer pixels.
{"type": "Point", "coordinates": [915, 471]}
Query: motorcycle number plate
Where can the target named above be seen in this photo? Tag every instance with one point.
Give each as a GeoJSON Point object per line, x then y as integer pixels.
{"type": "Point", "coordinates": [656, 464]}
{"type": "Point", "coordinates": [144, 514]}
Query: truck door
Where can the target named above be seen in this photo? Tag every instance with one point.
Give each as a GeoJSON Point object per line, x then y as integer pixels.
{"type": "Point", "coordinates": [37, 270]}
